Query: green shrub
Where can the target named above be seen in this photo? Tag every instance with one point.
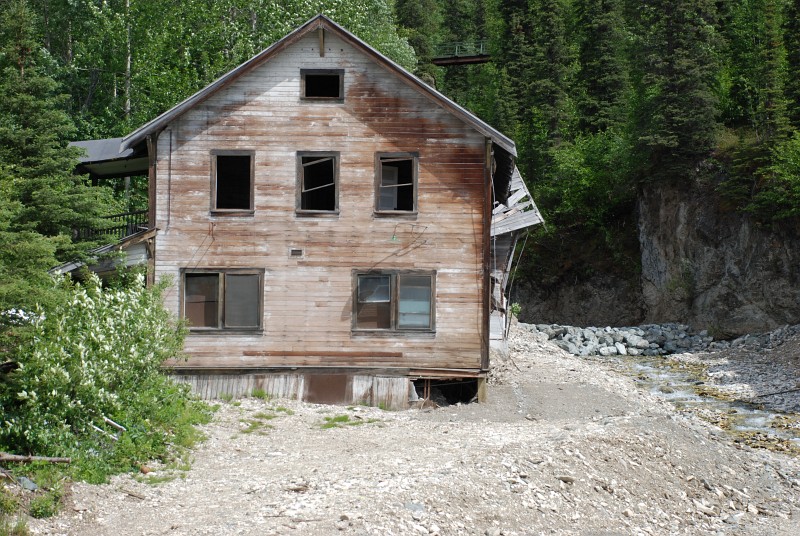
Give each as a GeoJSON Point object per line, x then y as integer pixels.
{"type": "Point", "coordinates": [44, 505]}
{"type": "Point", "coordinates": [779, 195]}
{"type": "Point", "coordinates": [8, 503]}
{"type": "Point", "coordinates": [97, 353]}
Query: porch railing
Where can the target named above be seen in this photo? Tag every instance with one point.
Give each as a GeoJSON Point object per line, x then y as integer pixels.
{"type": "Point", "coordinates": [120, 226]}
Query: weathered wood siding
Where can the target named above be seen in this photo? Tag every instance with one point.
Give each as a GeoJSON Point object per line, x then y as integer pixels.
{"type": "Point", "coordinates": [373, 390]}
{"type": "Point", "coordinates": [308, 301]}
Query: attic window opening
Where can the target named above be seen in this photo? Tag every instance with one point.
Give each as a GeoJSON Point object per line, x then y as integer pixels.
{"type": "Point", "coordinates": [232, 180]}
{"type": "Point", "coordinates": [396, 183]}
{"type": "Point", "coordinates": [322, 84]}
{"type": "Point", "coordinates": [318, 181]}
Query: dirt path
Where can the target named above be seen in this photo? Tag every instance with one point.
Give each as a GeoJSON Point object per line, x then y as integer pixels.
{"type": "Point", "coordinates": [564, 446]}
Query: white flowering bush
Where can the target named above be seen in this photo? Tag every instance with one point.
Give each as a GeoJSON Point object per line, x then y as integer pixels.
{"type": "Point", "coordinates": [96, 354]}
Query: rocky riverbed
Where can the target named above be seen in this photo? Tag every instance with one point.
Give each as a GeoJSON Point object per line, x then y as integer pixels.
{"type": "Point", "coordinates": [652, 339]}
{"type": "Point", "coordinates": [565, 445]}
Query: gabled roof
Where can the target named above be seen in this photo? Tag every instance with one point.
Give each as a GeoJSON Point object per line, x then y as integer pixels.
{"type": "Point", "coordinates": [320, 21]}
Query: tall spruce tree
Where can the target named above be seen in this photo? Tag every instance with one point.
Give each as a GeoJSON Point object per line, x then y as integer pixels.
{"type": "Point", "coordinates": [675, 95]}
{"type": "Point", "coordinates": [792, 42]}
{"type": "Point", "coordinates": [421, 20]}
{"type": "Point", "coordinates": [602, 76]}
{"type": "Point", "coordinates": [36, 166]}
{"type": "Point", "coordinates": [535, 56]}
{"type": "Point", "coordinates": [756, 68]}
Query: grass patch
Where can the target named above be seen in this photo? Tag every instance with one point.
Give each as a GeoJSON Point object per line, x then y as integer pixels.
{"type": "Point", "coordinates": [8, 503]}
{"type": "Point", "coordinates": [261, 394]}
{"type": "Point", "coordinates": [282, 409]}
{"type": "Point", "coordinates": [343, 420]}
{"type": "Point", "coordinates": [255, 425]}
{"type": "Point", "coordinates": [13, 528]}
{"type": "Point", "coordinates": [154, 480]}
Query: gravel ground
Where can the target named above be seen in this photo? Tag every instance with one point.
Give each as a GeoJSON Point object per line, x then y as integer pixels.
{"type": "Point", "coordinates": [564, 446]}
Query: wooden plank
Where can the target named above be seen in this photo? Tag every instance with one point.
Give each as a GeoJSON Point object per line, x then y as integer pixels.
{"type": "Point", "coordinates": [312, 353]}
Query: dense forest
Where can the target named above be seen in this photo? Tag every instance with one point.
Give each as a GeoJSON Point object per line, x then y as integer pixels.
{"type": "Point", "coordinates": [605, 96]}
{"type": "Point", "coordinates": [601, 96]}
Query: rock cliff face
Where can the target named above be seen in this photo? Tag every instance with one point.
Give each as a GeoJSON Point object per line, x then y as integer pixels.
{"type": "Point", "coordinates": [701, 265]}
{"type": "Point", "coordinates": [713, 268]}
{"type": "Point", "coordinates": [602, 300]}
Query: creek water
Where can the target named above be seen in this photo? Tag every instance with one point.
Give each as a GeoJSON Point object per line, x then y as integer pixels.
{"type": "Point", "coordinates": [683, 388]}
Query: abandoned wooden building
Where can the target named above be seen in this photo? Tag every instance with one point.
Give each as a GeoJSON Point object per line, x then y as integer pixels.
{"type": "Point", "coordinates": [336, 229]}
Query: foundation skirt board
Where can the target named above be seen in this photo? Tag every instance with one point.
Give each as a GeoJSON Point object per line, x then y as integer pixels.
{"type": "Point", "coordinates": [389, 392]}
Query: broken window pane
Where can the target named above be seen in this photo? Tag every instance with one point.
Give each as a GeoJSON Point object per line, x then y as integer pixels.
{"type": "Point", "coordinates": [414, 304]}
{"type": "Point", "coordinates": [318, 183]}
{"type": "Point", "coordinates": [201, 300]}
{"type": "Point", "coordinates": [242, 293]}
{"type": "Point", "coordinates": [233, 182]}
{"type": "Point", "coordinates": [396, 188]}
{"type": "Point", "coordinates": [373, 310]}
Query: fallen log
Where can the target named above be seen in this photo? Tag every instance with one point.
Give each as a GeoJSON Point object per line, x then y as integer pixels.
{"type": "Point", "coordinates": [5, 457]}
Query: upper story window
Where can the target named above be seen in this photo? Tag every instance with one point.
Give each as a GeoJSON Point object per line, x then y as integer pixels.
{"type": "Point", "coordinates": [396, 182]}
{"type": "Point", "coordinates": [322, 84]}
{"type": "Point", "coordinates": [317, 182]}
{"type": "Point", "coordinates": [232, 181]}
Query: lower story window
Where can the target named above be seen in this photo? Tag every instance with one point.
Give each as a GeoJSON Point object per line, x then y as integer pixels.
{"type": "Point", "coordinates": [223, 299]}
{"type": "Point", "coordinates": [394, 301]}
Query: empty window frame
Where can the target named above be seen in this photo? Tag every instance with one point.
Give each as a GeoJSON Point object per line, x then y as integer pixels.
{"type": "Point", "coordinates": [317, 182]}
{"type": "Point", "coordinates": [223, 299]}
{"type": "Point", "coordinates": [322, 84]}
{"type": "Point", "coordinates": [232, 180]}
{"type": "Point", "coordinates": [394, 301]}
{"type": "Point", "coordinates": [396, 182]}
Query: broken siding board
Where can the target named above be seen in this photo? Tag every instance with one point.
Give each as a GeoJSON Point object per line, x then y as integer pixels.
{"type": "Point", "coordinates": [517, 221]}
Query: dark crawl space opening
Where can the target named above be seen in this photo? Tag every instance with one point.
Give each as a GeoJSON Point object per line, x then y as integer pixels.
{"type": "Point", "coordinates": [447, 392]}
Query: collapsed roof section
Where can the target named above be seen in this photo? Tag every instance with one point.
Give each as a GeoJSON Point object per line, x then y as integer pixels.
{"type": "Point", "coordinates": [509, 218]}
{"type": "Point", "coordinates": [517, 211]}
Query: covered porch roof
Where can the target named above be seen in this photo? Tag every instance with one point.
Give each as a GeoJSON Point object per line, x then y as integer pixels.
{"type": "Point", "coordinates": [105, 159]}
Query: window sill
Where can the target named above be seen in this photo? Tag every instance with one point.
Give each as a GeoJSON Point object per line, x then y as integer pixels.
{"type": "Point", "coordinates": [388, 333]}
{"type": "Point", "coordinates": [397, 214]}
{"type": "Point", "coordinates": [333, 214]}
{"type": "Point", "coordinates": [335, 100]}
{"type": "Point", "coordinates": [232, 213]}
{"type": "Point", "coordinates": [226, 332]}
